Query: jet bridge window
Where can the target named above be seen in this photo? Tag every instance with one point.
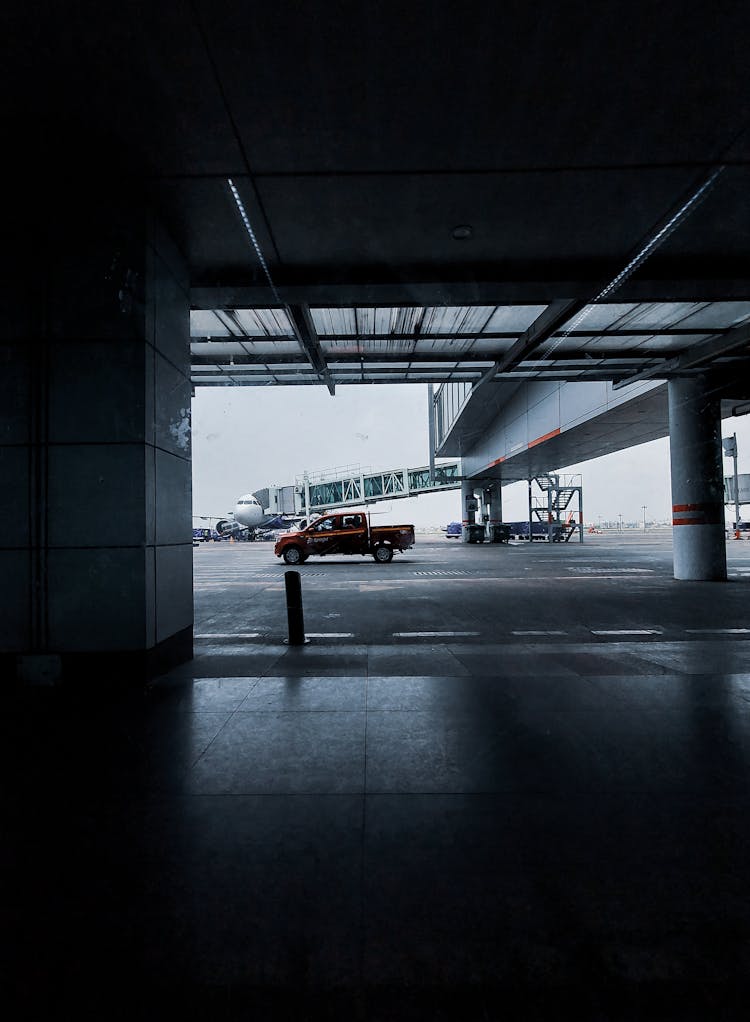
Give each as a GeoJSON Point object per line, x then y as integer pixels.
{"type": "Point", "coordinates": [351, 522]}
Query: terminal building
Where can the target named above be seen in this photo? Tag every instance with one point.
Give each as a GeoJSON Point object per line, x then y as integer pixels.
{"type": "Point", "coordinates": [539, 210]}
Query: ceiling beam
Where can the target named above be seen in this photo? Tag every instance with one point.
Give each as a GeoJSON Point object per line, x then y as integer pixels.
{"type": "Point", "coordinates": [304, 328]}
{"type": "Point", "coordinates": [699, 356]}
{"type": "Point", "coordinates": [531, 290]}
{"type": "Point", "coordinates": [553, 317]}
{"type": "Point", "coordinates": [634, 359]}
{"type": "Point", "coordinates": [489, 335]}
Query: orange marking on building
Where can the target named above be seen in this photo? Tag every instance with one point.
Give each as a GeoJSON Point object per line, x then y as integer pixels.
{"type": "Point", "coordinates": [541, 439]}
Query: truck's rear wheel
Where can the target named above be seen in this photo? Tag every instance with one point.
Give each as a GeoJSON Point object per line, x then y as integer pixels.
{"type": "Point", "coordinates": [383, 554]}
{"type": "Point", "coordinates": [293, 555]}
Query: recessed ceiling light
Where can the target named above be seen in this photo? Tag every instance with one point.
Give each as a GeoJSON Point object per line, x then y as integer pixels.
{"type": "Point", "coordinates": [462, 232]}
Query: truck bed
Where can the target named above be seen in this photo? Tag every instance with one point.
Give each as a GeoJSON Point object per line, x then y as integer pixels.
{"type": "Point", "coordinates": [400, 536]}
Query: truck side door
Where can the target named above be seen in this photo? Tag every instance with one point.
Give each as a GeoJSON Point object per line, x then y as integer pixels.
{"type": "Point", "coordinates": [354, 533]}
{"type": "Point", "coordinates": [322, 535]}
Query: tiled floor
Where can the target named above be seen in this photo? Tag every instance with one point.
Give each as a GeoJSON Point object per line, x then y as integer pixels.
{"type": "Point", "coordinates": [389, 843]}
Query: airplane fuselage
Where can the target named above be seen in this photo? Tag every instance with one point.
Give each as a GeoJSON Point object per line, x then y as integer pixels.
{"type": "Point", "coordinates": [248, 512]}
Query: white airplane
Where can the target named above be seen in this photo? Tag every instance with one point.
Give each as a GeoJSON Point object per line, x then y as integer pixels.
{"type": "Point", "coordinates": [248, 515]}
{"type": "Point", "coordinates": [248, 512]}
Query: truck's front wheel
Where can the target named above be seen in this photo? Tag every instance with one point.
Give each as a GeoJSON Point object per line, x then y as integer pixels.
{"type": "Point", "coordinates": [383, 554]}
{"type": "Point", "coordinates": [293, 555]}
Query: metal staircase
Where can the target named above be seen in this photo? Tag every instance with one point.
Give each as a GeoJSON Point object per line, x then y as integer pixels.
{"type": "Point", "coordinates": [552, 508]}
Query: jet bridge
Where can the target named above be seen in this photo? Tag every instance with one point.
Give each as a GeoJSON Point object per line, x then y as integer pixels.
{"type": "Point", "coordinates": [350, 486]}
{"type": "Point", "coordinates": [354, 485]}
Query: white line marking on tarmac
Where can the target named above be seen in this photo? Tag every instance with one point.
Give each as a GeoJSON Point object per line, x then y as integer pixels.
{"type": "Point", "coordinates": [622, 571]}
{"type": "Point", "coordinates": [430, 635]}
{"type": "Point", "coordinates": [538, 633]}
{"type": "Point", "coordinates": [227, 635]}
{"type": "Point", "coordinates": [329, 635]}
{"type": "Point", "coordinates": [625, 631]}
{"type": "Point", "coordinates": [718, 631]}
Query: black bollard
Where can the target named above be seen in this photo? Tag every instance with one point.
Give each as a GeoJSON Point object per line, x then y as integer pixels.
{"type": "Point", "coordinates": [294, 608]}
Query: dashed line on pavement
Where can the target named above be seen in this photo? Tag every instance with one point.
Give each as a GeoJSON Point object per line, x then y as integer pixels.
{"type": "Point", "coordinates": [625, 631]}
{"type": "Point", "coordinates": [431, 635]}
{"type": "Point", "coordinates": [537, 632]}
{"type": "Point", "coordinates": [329, 635]}
{"type": "Point", "coordinates": [227, 635]}
{"type": "Point", "coordinates": [718, 631]}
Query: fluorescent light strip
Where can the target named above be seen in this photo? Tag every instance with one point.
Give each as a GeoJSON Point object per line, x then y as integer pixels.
{"type": "Point", "coordinates": [251, 233]}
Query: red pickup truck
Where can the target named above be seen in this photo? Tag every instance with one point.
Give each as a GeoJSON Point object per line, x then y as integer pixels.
{"type": "Point", "coordinates": [344, 532]}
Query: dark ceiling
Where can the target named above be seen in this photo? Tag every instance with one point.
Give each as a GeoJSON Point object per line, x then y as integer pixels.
{"type": "Point", "coordinates": [360, 135]}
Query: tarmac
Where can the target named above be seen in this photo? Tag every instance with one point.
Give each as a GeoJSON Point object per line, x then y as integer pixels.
{"type": "Point", "coordinates": [498, 782]}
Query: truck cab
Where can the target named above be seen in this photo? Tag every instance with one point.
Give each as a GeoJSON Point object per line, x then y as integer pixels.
{"type": "Point", "coordinates": [344, 532]}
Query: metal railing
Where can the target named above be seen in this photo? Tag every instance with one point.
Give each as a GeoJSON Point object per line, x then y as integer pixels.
{"type": "Point", "coordinates": [450, 399]}
{"type": "Point", "coordinates": [337, 488]}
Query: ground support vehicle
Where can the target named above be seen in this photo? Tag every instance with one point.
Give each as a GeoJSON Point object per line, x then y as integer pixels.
{"type": "Point", "coordinates": [344, 532]}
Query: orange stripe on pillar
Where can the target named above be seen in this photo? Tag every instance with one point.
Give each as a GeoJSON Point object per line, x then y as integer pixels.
{"type": "Point", "coordinates": [700, 514]}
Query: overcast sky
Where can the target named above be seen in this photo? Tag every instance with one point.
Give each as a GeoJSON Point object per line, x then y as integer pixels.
{"type": "Point", "coordinates": [246, 438]}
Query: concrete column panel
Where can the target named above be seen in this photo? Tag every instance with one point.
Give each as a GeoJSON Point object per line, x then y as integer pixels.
{"type": "Point", "coordinates": [699, 542]}
{"type": "Point", "coordinates": [162, 247]}
{"type": "Point", "coordinates": [14, 496]}
{"type": "Point", "coordinates": [171, 314]}
{"type": "Point", "coordinates": [95, 443]}
{"type": "Point", "coordinates": [15, 392]}
{"type": "Point", "coordinates": [173, 409]}
{"type": "Point", "coordinates": [19, 301]}
{"type": "Point", "coordinates": [96, 390]}
{"type": "Point", "coordinates": [174, 589]}
{"type": "Point", "coordinates": [149, 394]}
{"type": "Point", "coordinates": [174, 484]}
{"type": "Point", "coordinates": [96, 599]}
{"type": "Point", "coordinates": [149, 508]}
{"type": "Point", "coordinates": [167, 296]}
{"type": "Point", "coordinates": [15, 600]}
{"type": "Point", "coordinates": [150, 600]}
{"type": "Point", "coordinates": [96, 495]}
{"type": "Point", "coordinates": [97, 287]}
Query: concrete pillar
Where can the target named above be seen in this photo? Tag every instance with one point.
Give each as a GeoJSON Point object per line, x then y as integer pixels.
{"type": "Point", "coordinates": [468, 509]}
{"type": "Point", "coordinates": [95, 506]}
{"type": "Point", "coordinates": [494, 499]}
{"type": "Point", "coordinates": [697, 482]}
